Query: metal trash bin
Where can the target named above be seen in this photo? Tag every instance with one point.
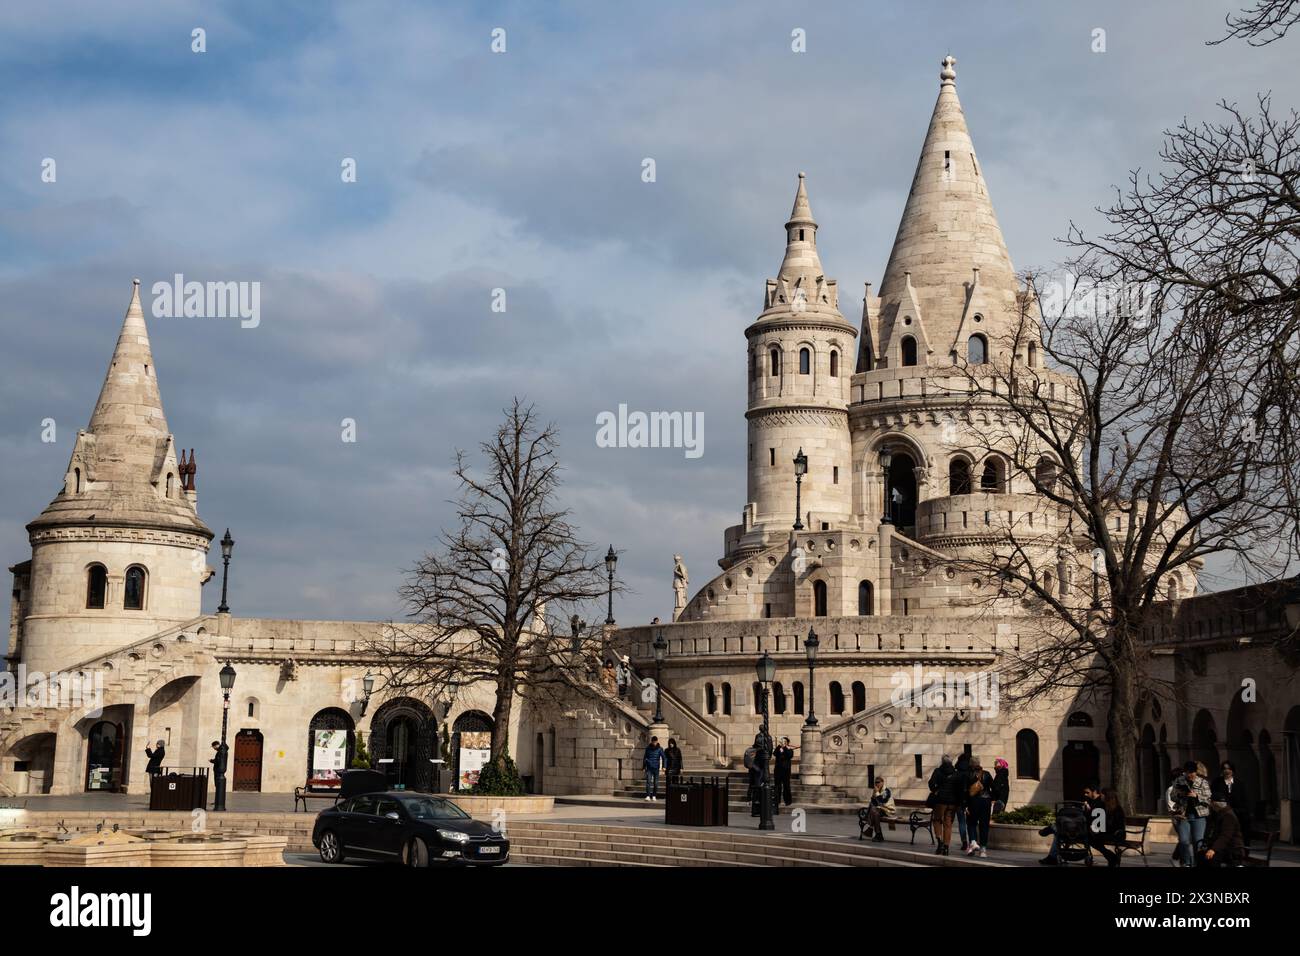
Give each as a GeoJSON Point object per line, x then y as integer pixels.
{"type": "Point", "coordinates": [696, 803]}
{"type": "Point", "coordinates": [173, 790]}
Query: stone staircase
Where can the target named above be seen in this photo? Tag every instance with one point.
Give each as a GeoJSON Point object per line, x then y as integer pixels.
{"type": "Point", "coordinates": [803, 795]}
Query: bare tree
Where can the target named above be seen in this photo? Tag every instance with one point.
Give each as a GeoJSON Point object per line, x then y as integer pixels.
{"type": "Point", "coordinates": [1262, 23]}
{"type": "Point", "coordinates": [493, 606]}
{"type": "Point", "coordinates": [1162, 434]}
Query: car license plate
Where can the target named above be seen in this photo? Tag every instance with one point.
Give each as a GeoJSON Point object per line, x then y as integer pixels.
{"type": "Point", "coordinates": [489, 849]}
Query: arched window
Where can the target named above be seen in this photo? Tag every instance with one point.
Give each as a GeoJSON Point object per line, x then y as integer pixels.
{"type": "Point", "coordinates": [805, 362]}
{"type": "Point", "coordinates": [169, 484]}
{"type": "Point", "coordinates": [1047, 581]}
{"type": "Point", "coordinates": [796, 691]}
{"type": "Point", "coordinates": [775, 356]}
{"type": "Point", "coordinates": [133, 589]}
{"type": "Point", "coordinates": [837, 697]}
{"type": "Point", "coordinates": [753, 366]}
{"type": "Point", "coordinates": [96, 586]}
{"type": "Point", "coordinates": [835, 364]}
{"type": "Point", "coordinates": [726, 700]}
{"type": "Point", "coordinates": [866, 599]}
{"type": "Point", "coordinates": [908, 349]}
{"type": "Point", "coordinates": [1079, 719]}
{"type": "Point", "coordinates": [758, 697]}
{"type": "Point", "coordinates": [819, 598]}
{"type": "Point", "coordinates": [1031, 355]}
{"type": "Point", "coordinates": [778, 698]}
{"type": "Point", "coordinates": [991, 479]}
{"type": "Point", "coordinates": [1027, 755]}
{"type": "Point", "coordinates": [1045, 474]}
{"type": "Point", "coordinates": [710, 699]}
{"type": "Point", "coordinates": [859, 697]}
{"type": "Point", "coordinates": [77, 480]}
{"type": "Point", "coordinates": [1173, 590]}
{"type": "Point", "coordinates": [977, 350]}
{"type": "Point", "coordinates": [959, 476]}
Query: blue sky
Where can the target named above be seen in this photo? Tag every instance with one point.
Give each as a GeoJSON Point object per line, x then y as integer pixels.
{"type": "Point", "coordinates": [522, 171]}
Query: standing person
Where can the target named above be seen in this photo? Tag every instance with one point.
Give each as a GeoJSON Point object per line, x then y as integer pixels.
{"type": "Point", "coordinates": [1226, 788]}
{"type": "Point", "coordinates": [154, 766]}
{"type": "Point", "coordinates": [881, 806]}
{"type": "Point", "coordinates": [979, 803]}
{"type": "Point", "coordinates": [1112, 824]}
{"type": "Point", "coordinates": [673, 761]}
{"type": "Point", "coordinates": [218, 761]}
{"type": "Point", "coordinates": [1188, 800]}
{"type": "Point", "coordinates": [652, 761]}
{"type": "Point", "coordinates": [623, 676]}
{"type": "Point", "coordinates": [1001, 785]}
{"type": "Point", "coordinates": [963, 774]}
{"type": "Point", "coordinates": [944, 798]}
{"type": "Point", "coordinates": [784, 755]}
{"type": "Point", "coordinates": [1224, 847]}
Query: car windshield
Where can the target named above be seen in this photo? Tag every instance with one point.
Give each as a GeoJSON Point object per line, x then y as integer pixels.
{"type": "Point", "coordinates": [431, 808]}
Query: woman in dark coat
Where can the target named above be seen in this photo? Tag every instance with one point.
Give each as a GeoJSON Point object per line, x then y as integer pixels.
{"type": "Point", "coordinates": [1001, 785]}
{"type": "Point", "coordinates": [673, 761]}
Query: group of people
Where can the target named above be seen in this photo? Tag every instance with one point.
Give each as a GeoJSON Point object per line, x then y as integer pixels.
{"type": "Point", "coordinates": [1212, 820]}
{"type": "Point", "coordinates": [617, 677]}
{"type": "Point", "coordinates": [658, 758]}
{"type": "Point", "coordinates": [962, 791]}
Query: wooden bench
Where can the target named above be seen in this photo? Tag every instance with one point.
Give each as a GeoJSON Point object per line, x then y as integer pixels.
{"type": "Point", "coordinates": [919, 817]}
{"type": "Point", "coordinates": [313, 791]}
{"type": "Point", "coordinates": [1270, 837]}
{"type": "Point", "coordinates": [1135, 839]}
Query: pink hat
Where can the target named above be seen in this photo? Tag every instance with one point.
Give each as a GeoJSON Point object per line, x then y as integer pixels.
{"type": "Point", "coordinates": [1001, 764]}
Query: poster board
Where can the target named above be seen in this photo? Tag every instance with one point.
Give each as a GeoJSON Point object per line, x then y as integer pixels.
{"type": "Point", "coordinates": [475, 752]}
{"type": "Point", "coordinates": [329, 756]}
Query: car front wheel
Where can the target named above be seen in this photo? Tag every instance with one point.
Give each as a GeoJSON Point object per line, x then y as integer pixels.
{"type": "Point", "coordinates": [416, 853]}
{"type": "Point", "coordinates": [331, 850]}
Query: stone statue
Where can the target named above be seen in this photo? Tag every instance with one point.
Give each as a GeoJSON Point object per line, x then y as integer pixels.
{"type": "Point", "coordinates": [680, 583]}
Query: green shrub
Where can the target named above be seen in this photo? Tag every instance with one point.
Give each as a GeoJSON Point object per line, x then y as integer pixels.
{"type": "Point", "coordinates": [500, 778]}
{"type": "Point", "coordinates": [360, 756]}
{"type": "Point", "coordinates": [1031, 814]}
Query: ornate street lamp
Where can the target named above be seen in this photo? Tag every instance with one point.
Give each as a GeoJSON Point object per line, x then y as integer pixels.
{"type": "Point", "coordinates": [227, 546]}
{"type": "Point", "coordinates": [227, 678]}
{"type": "Point", "coordinates": [766, 674]}
{"type": "Point", "coordinates": [886, 457]}
{"type": "Point", "coordinates": [661, 651]}
{"type": "Point", "coordinates": [367, 687]}
{"type": "Point", "coordinates": [800, 469]}
{"type": "Point", "coordinates": [810, 648]}
{"type": "Point", "coordinates": [611, 561]}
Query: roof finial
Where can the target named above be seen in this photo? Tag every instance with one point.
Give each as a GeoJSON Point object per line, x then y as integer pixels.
{"type": "Point", "coordinates": [948, 75]}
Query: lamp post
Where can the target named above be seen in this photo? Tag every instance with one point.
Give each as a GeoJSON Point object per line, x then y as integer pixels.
{"type": "Point", "coordinates": [611, 561]}
{"type": "Point", "coordinates": [367, 687]}
{"type": "Point", "coordinates": [886, 457]}
{"type": "Point", "coordinates": [800, 469]}
{"type": "Point", "coordinates": [810, 648]}
{"type": "Point", "coordinates": [661, 651]}
{"type": "Point", "coordinates": [227, 678]}
{"type": "Point", "coordinates": [766, 674]}
{"type": "Point", "coordinates": [227, 546]}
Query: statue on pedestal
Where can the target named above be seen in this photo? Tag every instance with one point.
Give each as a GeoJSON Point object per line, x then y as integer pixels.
{"type": "Point", "coordinates": [680, 584]}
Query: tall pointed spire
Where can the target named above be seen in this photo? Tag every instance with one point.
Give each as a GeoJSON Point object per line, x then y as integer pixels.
{"type": "Point", "coordinates": [802, 266]}
{"type": "Point", "coordinates": [123, 469]}
{"type": "Point", "coordinates": [947, 229]}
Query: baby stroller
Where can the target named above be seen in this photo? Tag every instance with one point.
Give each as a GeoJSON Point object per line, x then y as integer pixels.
{"type": "Point", "coordinates": [1072, 833]}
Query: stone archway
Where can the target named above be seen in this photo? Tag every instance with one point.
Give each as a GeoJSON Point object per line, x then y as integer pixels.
{"type": "Point", "coordinates": [33, 762]}
{"type": "Point", "coordinates": [405, 733]}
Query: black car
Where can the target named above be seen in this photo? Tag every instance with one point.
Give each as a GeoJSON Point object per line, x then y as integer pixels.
{"type": "Point", "coordinates": [414, 828]}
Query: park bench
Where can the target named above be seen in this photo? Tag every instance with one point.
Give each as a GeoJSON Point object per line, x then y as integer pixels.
{"type": "Point", "coordinates": [919, 817]}
{"type": "Point", "coordinates": [1135, 838]}
{"type": "Point", "coordinates": [315, 790]}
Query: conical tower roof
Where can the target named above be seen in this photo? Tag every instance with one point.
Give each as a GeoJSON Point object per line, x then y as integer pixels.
{"type": "Point", "coordinates": [948, 230]}
{"type": "Point", "coordinates": [801, 259]}
{"type": "Point", "coordinates": [120, 466]}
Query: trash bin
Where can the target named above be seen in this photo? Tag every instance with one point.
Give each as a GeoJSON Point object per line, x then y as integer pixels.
{"type": "Point", "coordinates": [174, 790]}
{"type": "Point", "coordinates": [696, 803]}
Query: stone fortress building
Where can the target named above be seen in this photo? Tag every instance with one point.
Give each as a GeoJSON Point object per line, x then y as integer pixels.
{"type": "Point", "coordinates": [882, 412]}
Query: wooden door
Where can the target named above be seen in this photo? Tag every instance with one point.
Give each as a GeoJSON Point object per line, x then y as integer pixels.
{"type": "Point", "coordinates": [248, 761]}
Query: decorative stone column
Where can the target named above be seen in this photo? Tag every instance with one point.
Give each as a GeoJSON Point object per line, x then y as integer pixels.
{"type": "Point", "coordinates": [810, 758]}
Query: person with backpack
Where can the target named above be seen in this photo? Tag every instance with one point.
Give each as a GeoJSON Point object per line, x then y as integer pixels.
{"type": "Point", "coordinates": [652, 761]}
{"type": "Point", "coordinates": [1001, 785]}
{"type": "Point", "coordinates": [979, 804]}
{"type": "Point", "coordinates": [944, 798]}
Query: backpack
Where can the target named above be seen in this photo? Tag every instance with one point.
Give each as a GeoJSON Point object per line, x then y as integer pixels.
{"type": "Point", "coordinates": [749, 757]}
{"type": "Point", "coordinates": [976, 788]}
